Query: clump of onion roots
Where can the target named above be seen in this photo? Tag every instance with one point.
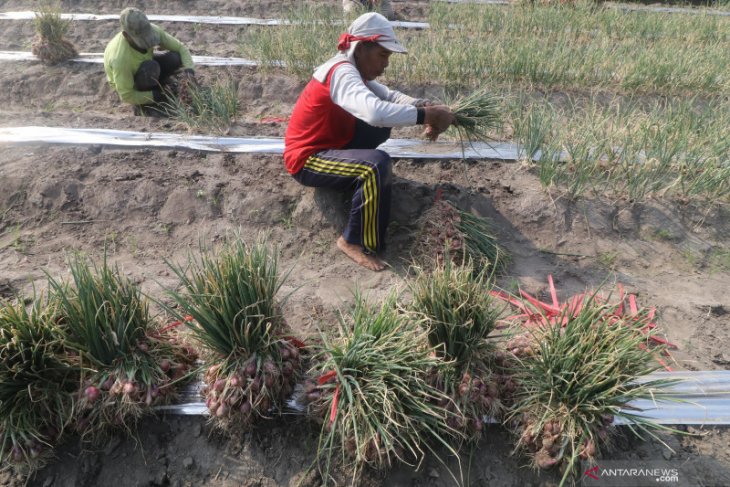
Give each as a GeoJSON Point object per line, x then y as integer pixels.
{"type": "Point", "coordinates": [38, 381]}
{"type": "Point", "coordinates": [369, 391]}
{"type": "Point", "coordinates": [130, 363]}
{"type": "Point", "coordinates": [572, 381]}
{"type": "Point", "coordinates": [252, 364]}
{"type": "Point", "coordinates": [453, 304]}
{"type": "Point", "coordinates": [49, 44]}
{"type": "Point", "coordinates": [448, 232]}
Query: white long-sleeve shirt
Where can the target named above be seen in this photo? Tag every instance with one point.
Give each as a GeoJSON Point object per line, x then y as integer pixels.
{"type": "Point", "coordinates": [370, 101]}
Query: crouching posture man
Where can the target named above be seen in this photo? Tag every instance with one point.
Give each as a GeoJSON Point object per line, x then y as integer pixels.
{"type": "Point", "coordinates": [132, 68]}
{"type": "Point", "coordinates": [340, 118]}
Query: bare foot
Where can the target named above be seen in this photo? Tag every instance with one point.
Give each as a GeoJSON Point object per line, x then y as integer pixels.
{"type": "Point", "coordinates": [354, 252]}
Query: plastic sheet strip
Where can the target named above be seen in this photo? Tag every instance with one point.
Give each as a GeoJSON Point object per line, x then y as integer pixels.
{"type": "Point", "coordinates": [98, 58]}
{"type": "Point", "coordinates": [400, 148]}
{"type": "Point", "coordinates": [197, 19]}
{"type": "Point", "coordinates": [700, 398]}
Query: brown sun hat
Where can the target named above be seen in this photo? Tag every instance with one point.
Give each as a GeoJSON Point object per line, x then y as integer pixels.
{"type": "Point", "coordinates": [138, 28]}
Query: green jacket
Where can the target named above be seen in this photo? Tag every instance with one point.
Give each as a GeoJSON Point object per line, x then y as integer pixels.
{"type": "Point", "coordinates": [121, 62]}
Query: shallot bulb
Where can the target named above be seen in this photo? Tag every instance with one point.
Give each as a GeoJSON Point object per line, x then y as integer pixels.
{"type": "Point", "coordinates": [91, 394]}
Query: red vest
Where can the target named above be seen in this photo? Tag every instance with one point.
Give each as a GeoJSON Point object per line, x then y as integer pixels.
{"type": "Point", "coordinates": [316, 124]}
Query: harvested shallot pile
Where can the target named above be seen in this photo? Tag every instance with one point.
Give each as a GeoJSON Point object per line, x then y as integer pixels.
{"type": "Point", "coordinates": [49, 44]}
{"type": "Point", "coordinates": [371, 394]}
{"type": "Point", "coordinates": [448, 232]}
{"type": "Point", "coordinates": [575, 373]}
{"type": "Point", "coordinates": [454, 306]}
{"type": "Point", "coordinates": [129, 363]}
{"type": "Point", "coordinates": [252, 365]}
{"type": "Point", "coordinates": [38, 382]}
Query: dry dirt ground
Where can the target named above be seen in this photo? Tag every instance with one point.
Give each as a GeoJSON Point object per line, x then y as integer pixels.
{"type": "Point", "coordinates": [150, 205]}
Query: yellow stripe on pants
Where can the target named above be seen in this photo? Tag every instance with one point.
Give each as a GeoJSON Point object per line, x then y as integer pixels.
{"type": "Point", "coordinates": [370, 191]}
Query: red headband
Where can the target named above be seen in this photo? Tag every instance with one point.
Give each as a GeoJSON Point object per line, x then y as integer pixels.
{"type": "Point", "coordinates": [343, 44]}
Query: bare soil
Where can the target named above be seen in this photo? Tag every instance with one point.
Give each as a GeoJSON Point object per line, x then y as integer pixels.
{"type": "Point", "coordinates": [146, 206]}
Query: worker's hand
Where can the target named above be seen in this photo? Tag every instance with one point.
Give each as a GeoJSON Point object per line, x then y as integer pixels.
{"type": "Point", "coordinates": [438, 118]}
{"type": "Point", "coordinates": [423, 102]}
{"type": "Point", "coordinates": [164, 97]}
{"type": "Point", "coordinates": [189, 75]}
{"type": "Point", "coordinates": [158, 95]}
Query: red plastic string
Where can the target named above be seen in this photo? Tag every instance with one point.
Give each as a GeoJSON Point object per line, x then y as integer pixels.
{"type": "Point", "coordinates": [663, 342]}
{"type": "Point", "coordinates": [620, 299]}
{"type": "Point", "coordinates": [439, 195]}
{"type": "Point", "coordinates": [325, 378]}
{"type": "Point", "coordinates": [553, 293]}
{"type": "Point", "coordinates": [539, 304]}
{"type": "Point", "coordinates": [335, 402]}
{"type": "Point", "coordinates": [273, 120]}
{"type": "Point", "coordinates": [559, 314]}
{"type": "Point", "coordinates": [296, 342]}
{"type": "Point", "coordinates": [174, 324]}
{"type": "Point", "coordinates": [658, 359]}
{"type": "Point", "coordinates": [577, 304]}
{"type": "Point", "coordinates": [632, 304]}
{"type": "Point", "coordinates": [510, 299]}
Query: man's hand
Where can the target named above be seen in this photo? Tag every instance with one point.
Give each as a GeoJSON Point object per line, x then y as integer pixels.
{"type": "Point", "coordinates": [159, 95]}
{"type": "Point", "coordinates": [438, 118]}
{"type": "Point", "coordinates": [189, 75]}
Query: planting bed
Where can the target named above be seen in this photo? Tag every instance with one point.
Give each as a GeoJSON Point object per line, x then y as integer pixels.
{"type": "Point", "coordinates": [149, 205]}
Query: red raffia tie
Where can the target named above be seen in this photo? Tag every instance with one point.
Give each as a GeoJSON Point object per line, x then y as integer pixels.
{"type": "Point", "coordinates": [296, 342]}
{"type": "Point", "coordinates": [273, 119]}
{"type": "Point", "coordinates": [329, 377]}
{"type": "Point", "coordinates": [335, 402]}
{"type": "Point", "coordinates": [537, 313]}
{"type": "Point", "coordinates": [343, 43]}
{"type": "Point", "coordinates": [172, 325]}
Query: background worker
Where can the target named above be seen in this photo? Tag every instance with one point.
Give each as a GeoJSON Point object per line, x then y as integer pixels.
{"type": "Point", "coordinates": [384, 7]}
{"type": "Point", "coordinates": [132, 68]}
{"type": "Point", "coordinates": [340, 118]}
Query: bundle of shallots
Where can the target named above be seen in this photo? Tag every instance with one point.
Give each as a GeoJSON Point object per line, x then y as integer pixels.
{"type": "Point", "coordinates": [253, 364]}
{"type": "Point", "coordinates": [49, 44]}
